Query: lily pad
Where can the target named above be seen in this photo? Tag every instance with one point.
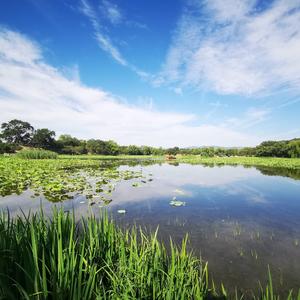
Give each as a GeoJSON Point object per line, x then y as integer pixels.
{"type": "Point", "coordinates": [177, 203]}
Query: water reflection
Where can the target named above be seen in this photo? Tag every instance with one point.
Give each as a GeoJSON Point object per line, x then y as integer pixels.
{"type": "Point", "coordinates": [239, 219]}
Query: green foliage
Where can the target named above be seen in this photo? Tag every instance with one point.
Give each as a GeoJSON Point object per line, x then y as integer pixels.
{"type": "Point", "coordinates": [37, 154]}
{"type": "Point", "coordinates": [173, 151]}
{"type": "Point", "coordinates": [272, 149]}
{"type": "Point", "coordinates": [265, 149]}
{"type": "Point", "coordinates": [57, 258]}
{"type": "Point", "coordinates": [7, 148]}
{"type": "Point", "coordinates": [134, 150]}
{"type": "Point", "coordinates": [43, 138]}
{"type": "Point", "coordinates": [272, 162]}
{"type": "Point", "coordinates": [294, 148]}
{"type": "Point", "coordinates": [59, 179]}
{"type": "Point", "coordinates": [21, 133]}
{"type": "Point", "coordinates": [53, 259]}
{"type": "Point", "coordinates": [17, 132]}
{"type": "Point", "coordinates": [68, 140]}
{"type": "Point", "coordinates": [102, 147]}
{"type": "Point", "coordinates": [67, 144]}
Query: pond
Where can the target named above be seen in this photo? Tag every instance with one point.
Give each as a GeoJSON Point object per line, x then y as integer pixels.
{"type": "Point", "coordinates": [241, 220]}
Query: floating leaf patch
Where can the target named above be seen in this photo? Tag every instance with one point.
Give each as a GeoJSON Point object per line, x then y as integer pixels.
{"type": "Point", "coordinates": [177, 203]}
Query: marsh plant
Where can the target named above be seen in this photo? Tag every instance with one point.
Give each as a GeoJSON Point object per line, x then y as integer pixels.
{"type": "Point", "coordinates": [59, 258]}
{"type": "Point", "coordinates": [60, 179]}
{"type": "Point", "coordinates": [37, 154]}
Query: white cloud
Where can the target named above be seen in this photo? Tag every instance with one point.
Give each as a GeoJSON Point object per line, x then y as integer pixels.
{"type": "Point", "coordinates": [233, 48]}
{"type": "Point", "coordinates": [252, 117]}
{"type": "Point", "coordinates": [102, 39]}
{"type": "Point", "coordinates": [32, 90]}
{"type": "Point", "coordinates": [25, 52]}
{"type": "Point", "coordinates": [112, 12]}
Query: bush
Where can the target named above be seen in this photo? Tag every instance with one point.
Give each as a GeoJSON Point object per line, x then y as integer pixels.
{"type": "Point", "coordinates": [7, 148]}
{"type": "Point", "coordinates": [37, 154]}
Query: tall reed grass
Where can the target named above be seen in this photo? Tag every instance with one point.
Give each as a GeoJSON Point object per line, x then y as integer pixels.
{"type": "Point", "coordinates": [58, 258]}
{"type": "Point", "coordinates": [37, 154]}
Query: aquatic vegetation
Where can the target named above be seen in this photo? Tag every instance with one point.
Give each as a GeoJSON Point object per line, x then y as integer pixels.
{"type": "Point", "coordinates": [254, 254]}
{"type": "Point", "coordinates": [237, 230]}
{"type": "Point", "coordinates": [274, 162]}
{"type": "Point", "coordinates": [95, 181]}
{"type": "Point", "coordinates": [241, 251]}
{"type": "Point", "coordinates": [54, 259]}
{"type": "Point", "coordinates": [37, 154]}
{"type": "Point", "coordinates": [60, 179]}
{"type": "Point", "coordinates": [177, 203]}
{"type": "Point", "coordinates": [57, 258]}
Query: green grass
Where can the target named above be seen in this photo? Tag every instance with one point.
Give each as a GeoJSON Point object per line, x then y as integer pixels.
{"type": "Point", "coordinates": [57, 258]}
{"type": "Point", "coordinates": [36, 154]}
{"type": "Point", "coordinates": [113, 157]}
{"type": "Point", "coordinates": [274, 162]}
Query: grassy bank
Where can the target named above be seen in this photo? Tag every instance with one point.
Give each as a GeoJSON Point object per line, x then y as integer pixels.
{"type": "Point", "coordinates": [113, 157]}
{"type": "Point", "coordinates": [274, 162]}
{"type": "Point", "coordinates": [59, 259]}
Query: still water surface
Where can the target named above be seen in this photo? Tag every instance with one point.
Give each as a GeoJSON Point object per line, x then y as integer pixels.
{"type": "Point", "coordinates": [238, 219]}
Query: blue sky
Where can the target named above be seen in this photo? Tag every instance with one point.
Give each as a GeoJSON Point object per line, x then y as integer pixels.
{"type": "Point", "coordinates": [161, 73]}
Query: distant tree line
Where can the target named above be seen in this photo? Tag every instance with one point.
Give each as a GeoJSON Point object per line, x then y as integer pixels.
{"type": "Point", "coordinates": [16, 134]}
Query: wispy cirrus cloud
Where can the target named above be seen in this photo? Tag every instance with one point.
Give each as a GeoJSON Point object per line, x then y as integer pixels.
{"type": "Point", "coordinates": [102, 39]}
{"type": "Point", "coordinates": [253, 116]}
{"type": "Point", "coordinates": [111, 11]}
{"type": "Point", "coordinates": [114, 15]}
{"type": "Point", "coordinates": [236, 47]}
{"type": "Point", "coordinates": [33, 90]}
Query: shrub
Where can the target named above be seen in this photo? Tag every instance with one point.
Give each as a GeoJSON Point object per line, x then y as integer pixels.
{"type": "Point", "coordinates": [36, 154]}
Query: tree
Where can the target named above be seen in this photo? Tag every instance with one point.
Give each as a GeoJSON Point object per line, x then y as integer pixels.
{"type": "Point", "coordinates": [294, 148]}
{"type": "Point", "coordinates": [43, 138]}
{"type": "Point", "coordinates": [95, 146]}
{"type": "Point", "coordinates": [173, 151]}
{"type": "Point", "coordinates": [146, 150]}
{"type": "Point", "coordinates": [70, 145]}
{"type": "Point", "coordinates": [112, 148]}
{"type": "Point", "coordinates": [134, 150]}
{"type": "Point", "coordinates": [273, 149]}
{"type": "Point", "coordinates": [68, 140]}
{"type": "Point", "coordinates": [7, 148]}
{"type": "Point", "coordinates": [17, 132]}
